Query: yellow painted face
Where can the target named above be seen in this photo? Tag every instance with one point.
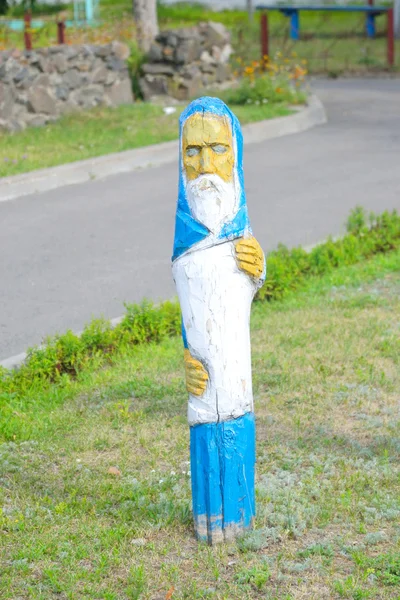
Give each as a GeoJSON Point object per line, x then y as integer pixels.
{"type": "Point", "coordinates": [207, 147]}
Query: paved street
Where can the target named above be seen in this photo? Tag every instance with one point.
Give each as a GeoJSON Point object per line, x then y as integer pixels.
{"type": "Point", "coordinates": [82, 251]}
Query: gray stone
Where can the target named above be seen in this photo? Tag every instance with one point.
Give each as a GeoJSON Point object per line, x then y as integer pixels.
{"type": "Point", "coordinates": [171, 39]}
{"type": "Point", "coordinates": [99, 75]}
{"type": "Point", "coordinates": [158, 69]}
{"type": "Point", "coordinates": [83, 65]}
{"type": "Point", "coordinates": [120, 50]}
{"type": "Point", "coordinates": [190, 72]}
{"type": "Point", "coordinates": [168, 54]}
{"type": "Point", "coordinates": [56, 49]}
{"type": "Point", "coordinates": [209, 78]}
{"type": "Point", "coordinates": [223, 72]}
{"type": "Point", "coordinates": [72, 79]}
{"type": "Point", "coordinates": [116, 64]}
{"type": "Point", "coordinates": [62, 92]}
{"type": "Point", "coordinates": [187, 52]}
{"type": "Point", "coordinates": [88, 51]}
{"type": "Point", "coordinates": [41, 101]}
{"type": "Point", "coordinates": [21, 75]}
{"type": "Point", "coordinates": [71, 52]}
{"type": "Point", "coordinates": [120, 92]}
{"type": "Point", "coordinates": [151, 86]}
{"type": "Point", "coordinates": [206, 68]}
{"type": "Point", "coordinates": [68, 107]}
{"type": "Point", "coordinates": [10, 70]}
{"type": "Point", "coordinates": [103, 51]}
{"type": "Point", "coordinates": [22, 99]}
{"type": "Point", "coordinates": [184, 89]}
{"type": "Point", "coordinates": [206, 58]}
{"type": "Point", "coordinates": [60, 63]}
{"type": "Point", "coordinates": [42, 80]}
{"type": "Point", "coordinates": [216, 53]}
{"type": "Point", "coordinates": [37, 120]}
{"type": "Point", "coordinates": [188, 33]}
{"type": "Point", "coordinates": [226, 52]}
{"type": "Point", "coordinates": [112, 77]}
{"type": "Point", "coordinates": [89, 96]}
{"type": "Point", "coordinates": [155, 53]}
{"type": "Point", "coordinates": [215, 34]}
{"type": "Point", "coordinates": [6, 101]}
{"type": "Point", "coordinates": [11, 125]}
{"type": "Point", "coordinates": [41, 62]}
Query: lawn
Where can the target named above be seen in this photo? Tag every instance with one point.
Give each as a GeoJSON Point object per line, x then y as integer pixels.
{"type": "Point", "coordinates": [95, 489]}
{"type": "Point", "coordinates": [102, 131]}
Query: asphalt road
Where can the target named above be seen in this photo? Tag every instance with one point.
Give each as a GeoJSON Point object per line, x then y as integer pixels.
{"type": "Point", "coordinates": [83, 251]}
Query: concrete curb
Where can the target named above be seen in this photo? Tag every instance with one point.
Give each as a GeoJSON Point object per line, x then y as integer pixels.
{"type": "Point", "coordinates": [45, 180]}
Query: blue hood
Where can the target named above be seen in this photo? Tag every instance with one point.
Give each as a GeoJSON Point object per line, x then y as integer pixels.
{"type": "Point", "coordinates": [188, 231]}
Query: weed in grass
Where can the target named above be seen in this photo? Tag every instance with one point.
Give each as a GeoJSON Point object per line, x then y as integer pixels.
{"type": "Point", "coordinates": [349, 588]}
{"type": "Point", "coordinates": [319, 549]}
{"type": "Point", "coordinates": [256, 576]}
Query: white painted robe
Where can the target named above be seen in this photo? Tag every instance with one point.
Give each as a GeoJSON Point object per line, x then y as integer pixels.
{"type": "Point", "coordinates": [215, 298]}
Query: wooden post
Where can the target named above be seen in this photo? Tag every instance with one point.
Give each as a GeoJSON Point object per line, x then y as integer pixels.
{"type": "Point", "coordinates": [264, 37]}
{"type": "Point", "coordinates": [217, 266]}
{"type": "Point", "coordinates": [390, 38]}
{"type": "Point", "coordinates": [61, 32]}
{"type": "Point", "coordinates": [28, 31]}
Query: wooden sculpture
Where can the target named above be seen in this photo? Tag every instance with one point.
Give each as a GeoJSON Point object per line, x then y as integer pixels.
{"type": "Point", "coordinates": [217, 267]}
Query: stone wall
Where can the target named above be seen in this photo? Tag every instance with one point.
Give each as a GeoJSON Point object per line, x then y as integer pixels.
{"type": "Point", "coordinates": [183, 62]}
{"type": "Point", "coordinates": [39, 86]}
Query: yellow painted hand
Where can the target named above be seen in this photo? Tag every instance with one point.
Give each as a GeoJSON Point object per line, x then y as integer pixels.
{"type": "Point", "coordinates": [250, 256]}
{"type": "Point", "coordinates": [196, 375]}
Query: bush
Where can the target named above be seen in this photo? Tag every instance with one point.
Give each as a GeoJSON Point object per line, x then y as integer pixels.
{"type": "Point", "coordinates": [367, 235]}
{"type": "Point", "coordinates": [262, 82]}
{"type": "Point", "coordinates": [65, 356]}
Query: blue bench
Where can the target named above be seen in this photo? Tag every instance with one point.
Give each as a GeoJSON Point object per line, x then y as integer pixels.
{"type": "Point", "coordinates": [292, 11]}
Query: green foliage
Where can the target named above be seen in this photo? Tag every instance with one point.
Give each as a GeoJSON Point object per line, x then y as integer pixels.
{"type": "Point", "coordinates": [386, 567]}
{"type": "Point", "coordinates": [367, 235]}
{"type": "Point", "coordinates": [263, 90]}
{"type": "Point", "coordinates": [3, 7]}
{"type": "Point", "coordinates": [135, 61]}
{"type": "Point", "coordinates": [36, 8]}
{"type": "Point", "coordinates": [64, 357]}
{"type": "Point", "coordinates": [256, 576]}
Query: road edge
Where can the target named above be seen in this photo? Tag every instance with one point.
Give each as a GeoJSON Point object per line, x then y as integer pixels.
{"type": "Point", "coordinates": [95, 169]}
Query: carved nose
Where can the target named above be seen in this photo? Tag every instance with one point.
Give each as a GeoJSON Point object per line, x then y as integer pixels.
{"type": "Point", "coordinates": [206, 163]}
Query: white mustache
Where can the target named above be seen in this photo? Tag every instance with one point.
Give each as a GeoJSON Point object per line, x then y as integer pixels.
{"type": "Point", "coordinates": [212, 200]}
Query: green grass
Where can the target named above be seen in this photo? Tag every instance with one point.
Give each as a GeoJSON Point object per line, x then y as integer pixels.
{"type": "Point", "coordinates": [102, 131]}
{"type": "Point", "coordinates": [326, 380]}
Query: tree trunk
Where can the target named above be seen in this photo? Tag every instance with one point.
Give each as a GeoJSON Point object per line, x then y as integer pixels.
{"type": "Point", "coordinates": [145, 13]}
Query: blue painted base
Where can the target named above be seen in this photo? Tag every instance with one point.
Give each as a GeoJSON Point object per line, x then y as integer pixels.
{"type": "Point", "coordinates": [223, 464]}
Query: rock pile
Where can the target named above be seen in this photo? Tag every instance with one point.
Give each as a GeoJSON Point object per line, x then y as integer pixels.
{"type": "Point", "coordinates": [39, 86]}
{"type": "Point", "coordinates": [182, 62]}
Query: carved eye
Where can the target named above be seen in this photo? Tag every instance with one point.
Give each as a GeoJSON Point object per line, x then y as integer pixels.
{"type": "Point", "coordinates": [219, 148]}
{"type": "Point", "coordinates": [193, 151]}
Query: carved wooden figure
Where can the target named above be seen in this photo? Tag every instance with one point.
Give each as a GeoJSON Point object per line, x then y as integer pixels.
{"type": "Point", "coordinates": [217, 267]}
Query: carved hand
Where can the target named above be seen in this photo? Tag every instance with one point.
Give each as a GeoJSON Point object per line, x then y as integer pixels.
{"type": "Point", "coordinates": [250, 256]}
{"type": "Point", "coordinates": [196, 375]}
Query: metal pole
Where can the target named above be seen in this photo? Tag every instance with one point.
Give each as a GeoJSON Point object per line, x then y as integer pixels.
{"type": "Point", "coordinates": [89, 11]}
{"type": "Point", "coordinates": [264, 37]}
{"type": "Point", "coordinates": [390, 38]}
{"type": "Point", "coordinates": [28, 31]}
{"type": "Point", "coordinates": [397, 19]}
{"type": "Point", "coordinates": [61, 32]}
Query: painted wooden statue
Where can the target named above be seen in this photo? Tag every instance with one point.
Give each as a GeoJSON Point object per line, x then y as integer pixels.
{"type": "Point", "coordinates": [217, 267]}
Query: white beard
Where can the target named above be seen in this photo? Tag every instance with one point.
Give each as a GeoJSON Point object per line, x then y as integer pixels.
{"type": "Point", "coordinates": [212, 201]}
